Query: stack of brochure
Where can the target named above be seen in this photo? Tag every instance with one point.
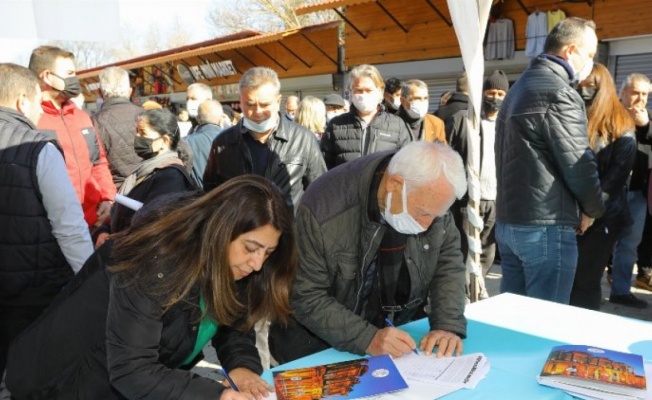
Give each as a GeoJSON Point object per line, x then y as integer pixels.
{"type": "Point", "coordinates": [381, 377]}
{"type": "Point", "coordinates": [592, 373]}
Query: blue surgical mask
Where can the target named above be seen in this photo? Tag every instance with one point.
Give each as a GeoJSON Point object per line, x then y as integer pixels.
{"type": "Point", "coordinates": [403, 222]}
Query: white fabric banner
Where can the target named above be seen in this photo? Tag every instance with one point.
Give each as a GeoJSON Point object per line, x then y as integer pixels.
{"type": "Point", "coordinates": [75, 20]}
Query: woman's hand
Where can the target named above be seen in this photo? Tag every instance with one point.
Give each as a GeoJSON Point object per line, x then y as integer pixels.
{"type": "Point", "coordinates": [230, 394]}
{"type": "Point", "coordinates": [250, 382]}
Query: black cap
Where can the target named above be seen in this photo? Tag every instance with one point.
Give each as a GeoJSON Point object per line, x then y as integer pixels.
{"type": "Point", "coordinates": [497, 80]}
{"type": "Point", "coordinates": [334, 99]}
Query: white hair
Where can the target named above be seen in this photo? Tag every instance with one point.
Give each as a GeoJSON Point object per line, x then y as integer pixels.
{"type": "Point", "coordinates": [631, 78]}
{"type": "Point", "coordinates": [114, 82]}
{"type": "Point", "coordinates": [202, 90]}
{"type": "Point", "coordinates": [423, 162]}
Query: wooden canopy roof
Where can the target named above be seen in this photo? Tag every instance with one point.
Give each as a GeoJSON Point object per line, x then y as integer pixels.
{"type": "Point", "coordinates": [386, 31]}
{"type": "Point", "coordinates": [307, 51]}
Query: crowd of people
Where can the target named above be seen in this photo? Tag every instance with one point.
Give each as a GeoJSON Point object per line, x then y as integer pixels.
{"type": "Point", "coordinates": [281, 232]}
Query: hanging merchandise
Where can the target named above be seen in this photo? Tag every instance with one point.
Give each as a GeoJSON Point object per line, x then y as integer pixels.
{"type": "Point", "coordinates": [536, 32]}
{"type": "Point", "coordinates": [554, 16]}
{"type": "Point", "coordinates": [500, 40]}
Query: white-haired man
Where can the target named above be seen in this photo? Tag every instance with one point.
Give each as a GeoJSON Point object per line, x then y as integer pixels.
{"type": "Point", "coordinates": [633, 95]}
{"type": "Point", "coordinates": [376, 241]}
{"type": "Point", "coordinates": [196, 94]}
{"type": "Point", "coordinates": [116, 123]}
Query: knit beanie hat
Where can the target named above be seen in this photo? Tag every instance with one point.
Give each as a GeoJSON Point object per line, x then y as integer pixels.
{"type": "Point", "coordinates": [497, 80]}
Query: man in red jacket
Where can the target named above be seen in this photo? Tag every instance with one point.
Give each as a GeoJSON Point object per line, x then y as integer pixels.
{"type": "Point", "coordinates": [85, 157]}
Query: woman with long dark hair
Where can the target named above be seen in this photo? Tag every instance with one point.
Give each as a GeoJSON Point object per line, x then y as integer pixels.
{"type": "Point", "coordinates": [184, 273]}
{"type": "Point", "coordinates": [611, 138]}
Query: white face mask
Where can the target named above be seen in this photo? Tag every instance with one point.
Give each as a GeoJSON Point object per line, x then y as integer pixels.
{"type": "Point", "coordinates": [403, 222]}
{"type": "Point", "coordinates": [192, 106]}
{"type": "Point", "coordinates": [366, 102]}
{"type": "Point", "coordinates": [419, 107]}
{"type": "Point", "coordinates": [586, 70]}
{"type": "Point", "coordinates": [264, 126]}
{"type": "Point", "coordinates": [397, 102]}
{"type": "Point", "coordinates": [330, 115]}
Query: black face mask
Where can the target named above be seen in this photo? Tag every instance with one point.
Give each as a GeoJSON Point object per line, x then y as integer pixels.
{"type": "Point", "coordinates": [71, 86]}
{"type": "Point", "coordinates": [491, 104]}
{"type": "Point", "coordinates": [143, 147]}
{"type": "Point", "coordinates": [587, 93]}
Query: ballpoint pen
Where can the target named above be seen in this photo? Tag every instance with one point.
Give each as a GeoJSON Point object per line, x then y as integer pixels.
{"type": "Point", "coordinates": [228, 378]}
{"type": "Point", "coordinates": [392, 325]}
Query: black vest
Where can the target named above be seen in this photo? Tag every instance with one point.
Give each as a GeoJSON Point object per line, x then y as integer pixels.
{"type": "Point", "coordinates": [32, 267]}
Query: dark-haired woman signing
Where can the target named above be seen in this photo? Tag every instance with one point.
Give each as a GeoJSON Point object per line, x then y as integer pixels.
{"type": "Point", "coordinates": [611, 137]}
{"type": "Point", "coordinates": [185, 272]}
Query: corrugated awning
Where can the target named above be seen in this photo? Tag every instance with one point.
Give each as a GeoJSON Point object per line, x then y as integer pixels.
{"type": "Point", "coordinates": [327, 5]}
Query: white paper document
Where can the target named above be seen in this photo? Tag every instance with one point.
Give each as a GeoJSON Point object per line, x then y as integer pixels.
{"type": "Point", "coordinates": [429, 377]}
{"type": "Point", "coordinates": [465, 371]}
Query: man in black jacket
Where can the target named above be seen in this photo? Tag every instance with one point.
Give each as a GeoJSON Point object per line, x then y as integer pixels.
{"type": "Point", "coordinates": [263, 143]}
{"type": "Point", "coordinates": [633, 95]}
{"type": "Point", "coordinates": [547, 176]}
{"type": "Point", "coordinates": [367, 128]}
{"type": "Point", "coordinates": [267, 144]}
{"type": "Point", "coordinates": [458, 101]}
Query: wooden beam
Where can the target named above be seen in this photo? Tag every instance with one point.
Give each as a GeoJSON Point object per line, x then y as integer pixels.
{"type": "Point", "coordinates": [318, 48]}
{"type": "Point", "coordinates": [245, 57]}
{"type": "Point", "coordinates": [294, 54]}
{"type": "Point", "coordinates": [271, 58]}
{"type": "Point", "coordinates": [441, 15]}
{"type": "Point", "coordinates": [341, 14]}
{"type": "Point", "coordinates": [389, 14]}
{"type": "Point", "coordinates": [525, 9]}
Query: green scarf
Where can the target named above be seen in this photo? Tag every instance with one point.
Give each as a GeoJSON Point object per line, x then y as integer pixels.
{"type": "Point", "coordinates": [207, 329]}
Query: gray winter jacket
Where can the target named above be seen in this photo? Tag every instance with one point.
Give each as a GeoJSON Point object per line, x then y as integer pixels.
{"type": "Point", "coordinates": [337, 242]}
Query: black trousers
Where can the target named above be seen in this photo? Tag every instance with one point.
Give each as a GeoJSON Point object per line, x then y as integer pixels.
{"type": "Point", "coordinates": [13, 320]}
{"type": "Point", "coordinates": [594, 250]}
{"type": "Point", "coordinates": [645, 247]}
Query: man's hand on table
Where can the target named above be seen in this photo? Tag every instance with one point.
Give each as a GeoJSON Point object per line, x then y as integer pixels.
{"type": "Point", "coordinates": [448, 343]}
{"type": "Point", "coordinates": [392, 341]}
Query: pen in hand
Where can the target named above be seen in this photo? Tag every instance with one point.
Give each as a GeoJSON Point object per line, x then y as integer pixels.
{"type": "Point", "coordinates": [392, 325]}
{"type": "Point", "coordinates": [228, 378]}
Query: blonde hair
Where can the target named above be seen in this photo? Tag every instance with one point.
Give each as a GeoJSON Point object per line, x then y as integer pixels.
{"type": "Point", "coordinates": [367, 71]}
{"type": "Point", "coordinates": [311, 114]}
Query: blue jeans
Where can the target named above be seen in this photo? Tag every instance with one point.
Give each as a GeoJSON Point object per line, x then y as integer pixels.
{"type": "Point", "coordinates": [625, 255]}
{"type": "Point", "coordinates": [537, 260]}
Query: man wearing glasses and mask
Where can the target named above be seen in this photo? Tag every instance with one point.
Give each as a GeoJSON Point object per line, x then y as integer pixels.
{"type": "Point", "coordinates": [376, 242]}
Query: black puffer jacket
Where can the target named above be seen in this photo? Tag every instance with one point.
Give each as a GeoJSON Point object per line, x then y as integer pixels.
{"type": "Point", "coordinates": [343, 139]}
{"type": "Point", "coordinates": [33, 268]}
{"type": "Point", "coordinates": [546, 171]}
{"type": "Point", "coordinates": [294, 163]}
{"type": "Point", "coordinates": [101, 341]}
{"type": "Point", "coordinates": [116, 124]}
{"type": "Point", "coordinates": [615, 162]}
{"type": "Point", "coordinates": [643, 162]}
